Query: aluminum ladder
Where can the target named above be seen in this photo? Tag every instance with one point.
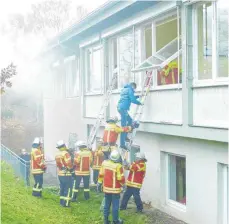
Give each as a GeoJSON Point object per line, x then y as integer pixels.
{"type": "Point", "coordinates": [102, 111]}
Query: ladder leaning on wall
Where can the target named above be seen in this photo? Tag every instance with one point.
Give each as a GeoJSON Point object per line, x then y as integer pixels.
{"type": "Point", "coordinates": [151, 65]}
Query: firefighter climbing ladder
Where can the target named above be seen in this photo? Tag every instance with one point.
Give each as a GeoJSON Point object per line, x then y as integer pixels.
{"type": "Point", "coordinates": [139, 109]}
{"type": "Point", "coordinates": [102, 111]}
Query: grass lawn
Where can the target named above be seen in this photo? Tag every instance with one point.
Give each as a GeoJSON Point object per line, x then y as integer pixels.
{"type": "Point", "coordinates": [20, 207]}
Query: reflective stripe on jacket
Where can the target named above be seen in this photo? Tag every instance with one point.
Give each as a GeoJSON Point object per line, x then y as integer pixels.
{"type": "Point", "coordinates": [112, 176]}
{"type": "Point", "coordinates": [98, 158]}
{"type": "Point", "coordinates": [136, 174]}
{"type": "Point", "coordinates": [63, 163]}
{"type": "Point", "coordinates": [37, 161]}
{"type": "Point", "coordinates": [83, 161]}
{"type": "Point", "coordinates": [112, 131]}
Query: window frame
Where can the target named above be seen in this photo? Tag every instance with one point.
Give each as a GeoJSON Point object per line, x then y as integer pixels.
{"type": "Point", "coordinates": [223, 192]}
{"type": "Point", "coordinates": [72, 61]}
{"type": "Point", "coordinates": [215, 79]}
{"type": "Point", "coordinates": [170, 202]}
{"type": "Point", "coordinates": [142, 26]}
{"type": "Point", "coordinates": [93, 48]}
{"type": "Point", "coordinates": [111, 58]}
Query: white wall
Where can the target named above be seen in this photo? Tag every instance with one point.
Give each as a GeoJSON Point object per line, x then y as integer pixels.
{"type": "Point", "coordinates": [201, 175]}
{"type": "Point", "coordinates": [93, 105]}
{"type": "Point", "coordinates": [61, 117]}
{"type": "Point", "coordinates": [210, 106]}
{"type": "Point", "coordinates": [160, 106]}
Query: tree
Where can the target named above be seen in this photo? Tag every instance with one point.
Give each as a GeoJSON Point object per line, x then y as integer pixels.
{"type": "Point", "coordinates": [47, 18]}
{"type": "Point", "coordinates": [6, 74]}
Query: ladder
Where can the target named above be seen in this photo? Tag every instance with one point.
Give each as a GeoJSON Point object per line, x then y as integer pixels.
{"type": "Point", "coordinates": [139, 108]}
{"type": "Point", "coordinates": [102, 111]}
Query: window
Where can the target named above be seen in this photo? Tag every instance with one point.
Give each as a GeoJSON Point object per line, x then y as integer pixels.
{"type": "Point", "coordinates": [48, 81]}
{"type": "Point", "coordinates": [223, 194]}
{"type": "Point", "coordinates": [211, 35]}
{"type": "Point", "coordinates": [94, 69]}
{"type": "Point", "coordinates": [148, 42]}
{"type": "Point", "coordinates": [59, 81]}
{"type": "Point", "coordinates": [204, 13]}
{"type": "Point", "coordinates": [72, 77]}
{"type": "Point", "coordinates": [171, 73]}
{"type": "Point", "coordinates": [126, 53]}
{"type": "Point", "coordinates": [223, 32]}
{"type": "Point", "coordinates": [177, 179]}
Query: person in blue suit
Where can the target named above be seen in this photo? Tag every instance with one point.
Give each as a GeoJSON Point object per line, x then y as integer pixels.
{"type": "Point", "coordinates": [126, 98]}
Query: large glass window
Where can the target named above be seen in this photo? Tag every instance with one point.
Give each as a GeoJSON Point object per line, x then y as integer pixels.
{"type": "Point", "coordinates": [148, 41]}
{"type": "Point", "coordinates": [204, 13]}
{"type": "Point", "coordinates": [59, 81]}
{"type": "Point", "coordinates": [72, 77]}
{"type": "Point", "coordinates": [125, 49]}
{"type": "Point", "coordinates": [167, 31]}
{"type": "Point", "coordinates": [94, 68]}
{"type": "Point", "coordinates": [177, 179]}
{"type": "Point", "coordinates": [212, 36]}
{"type": "Point", "coordinates": [223, 31]}
{"type": "Point", "coordinates": [126, 53]}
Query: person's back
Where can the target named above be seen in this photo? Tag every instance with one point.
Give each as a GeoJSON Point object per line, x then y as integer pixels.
{"type": "Point", "coordinates": [127, 97]}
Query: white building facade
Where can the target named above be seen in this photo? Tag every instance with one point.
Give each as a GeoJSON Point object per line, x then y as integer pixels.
{"type": "Point", "coordinates": [184, 128]}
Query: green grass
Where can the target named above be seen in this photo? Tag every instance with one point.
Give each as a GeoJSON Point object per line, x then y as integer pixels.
{"type": "Point", "coordinates": [20, 207]}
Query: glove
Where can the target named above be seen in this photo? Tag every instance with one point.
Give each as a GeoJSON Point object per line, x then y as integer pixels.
{"type": "Point", "coordinates": [45, 168]}
{"type": "Point", "coordinates": [99, 187]}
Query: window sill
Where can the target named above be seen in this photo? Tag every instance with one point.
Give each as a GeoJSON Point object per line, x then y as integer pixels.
{"type": "Point", "coordinates": [93, 94]}
{"type": "Point", "coordinates": [166, 87]}
{"type": "Point", "coordinates": [72, 97]}
{"type": "Point", "coordinates": [222, 127]}
{"type": "Point", "coordinates": [210, 83]}
{"type": "Point", "coordinates": [156, 88]}
{"type": "Point", "coordinates": [176, 205]}
{"type": "Point", "coordinates": [161, 122]}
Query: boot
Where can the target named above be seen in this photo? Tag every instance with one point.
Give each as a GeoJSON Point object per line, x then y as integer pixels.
{"type": "Point", "coordinates": [107, 221]}
{"type": "Point", "coordinates": [120, 221]}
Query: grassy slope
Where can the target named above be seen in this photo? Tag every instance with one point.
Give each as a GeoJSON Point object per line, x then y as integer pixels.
{"type": "Point", "coordinates": [19, 207]}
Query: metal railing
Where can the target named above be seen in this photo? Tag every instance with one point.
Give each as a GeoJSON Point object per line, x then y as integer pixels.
{"type": "Point", "coordinates": [22, 168]}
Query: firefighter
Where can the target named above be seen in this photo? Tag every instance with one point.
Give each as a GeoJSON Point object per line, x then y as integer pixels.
{"type": "Point", "coordinates": [134, 182]}
{"type": "Point", "coordinates": [64, 169]}
{"type": "Point", "coordinates": [126, 98]}
{"type": "Point", "coordinates": [112, 176]}
{"type": "Point", "coordinates": [38, 167]}
{"type": "Point", "coordinates": [98, 158]}
{"type": "Point", "coordinates": [111, 133]}
{"type": "Point", "coordinates": [82, 161]}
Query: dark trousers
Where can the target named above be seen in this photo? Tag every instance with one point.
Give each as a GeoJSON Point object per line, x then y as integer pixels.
{"type": "Point", "coordinates": [95, 176]}
{"type": "Point", "coordinates": [106, 155]}
{"type": "Point", "coordinates": [128, 193]}
{"type": "Point", "coordinates": [37, 189]}
{"type": "Point", "coordinates": [126, 120]}
{"type": "Point", "coordinates": [76, 186]}
{"type": "Point", "coordinates": [114, 200]}
{"type": "Point", "coordinates": [65, 190]}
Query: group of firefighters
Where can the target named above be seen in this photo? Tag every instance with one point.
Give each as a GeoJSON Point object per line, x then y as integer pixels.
{"type": "Point", "coordinates": [106, 161]}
